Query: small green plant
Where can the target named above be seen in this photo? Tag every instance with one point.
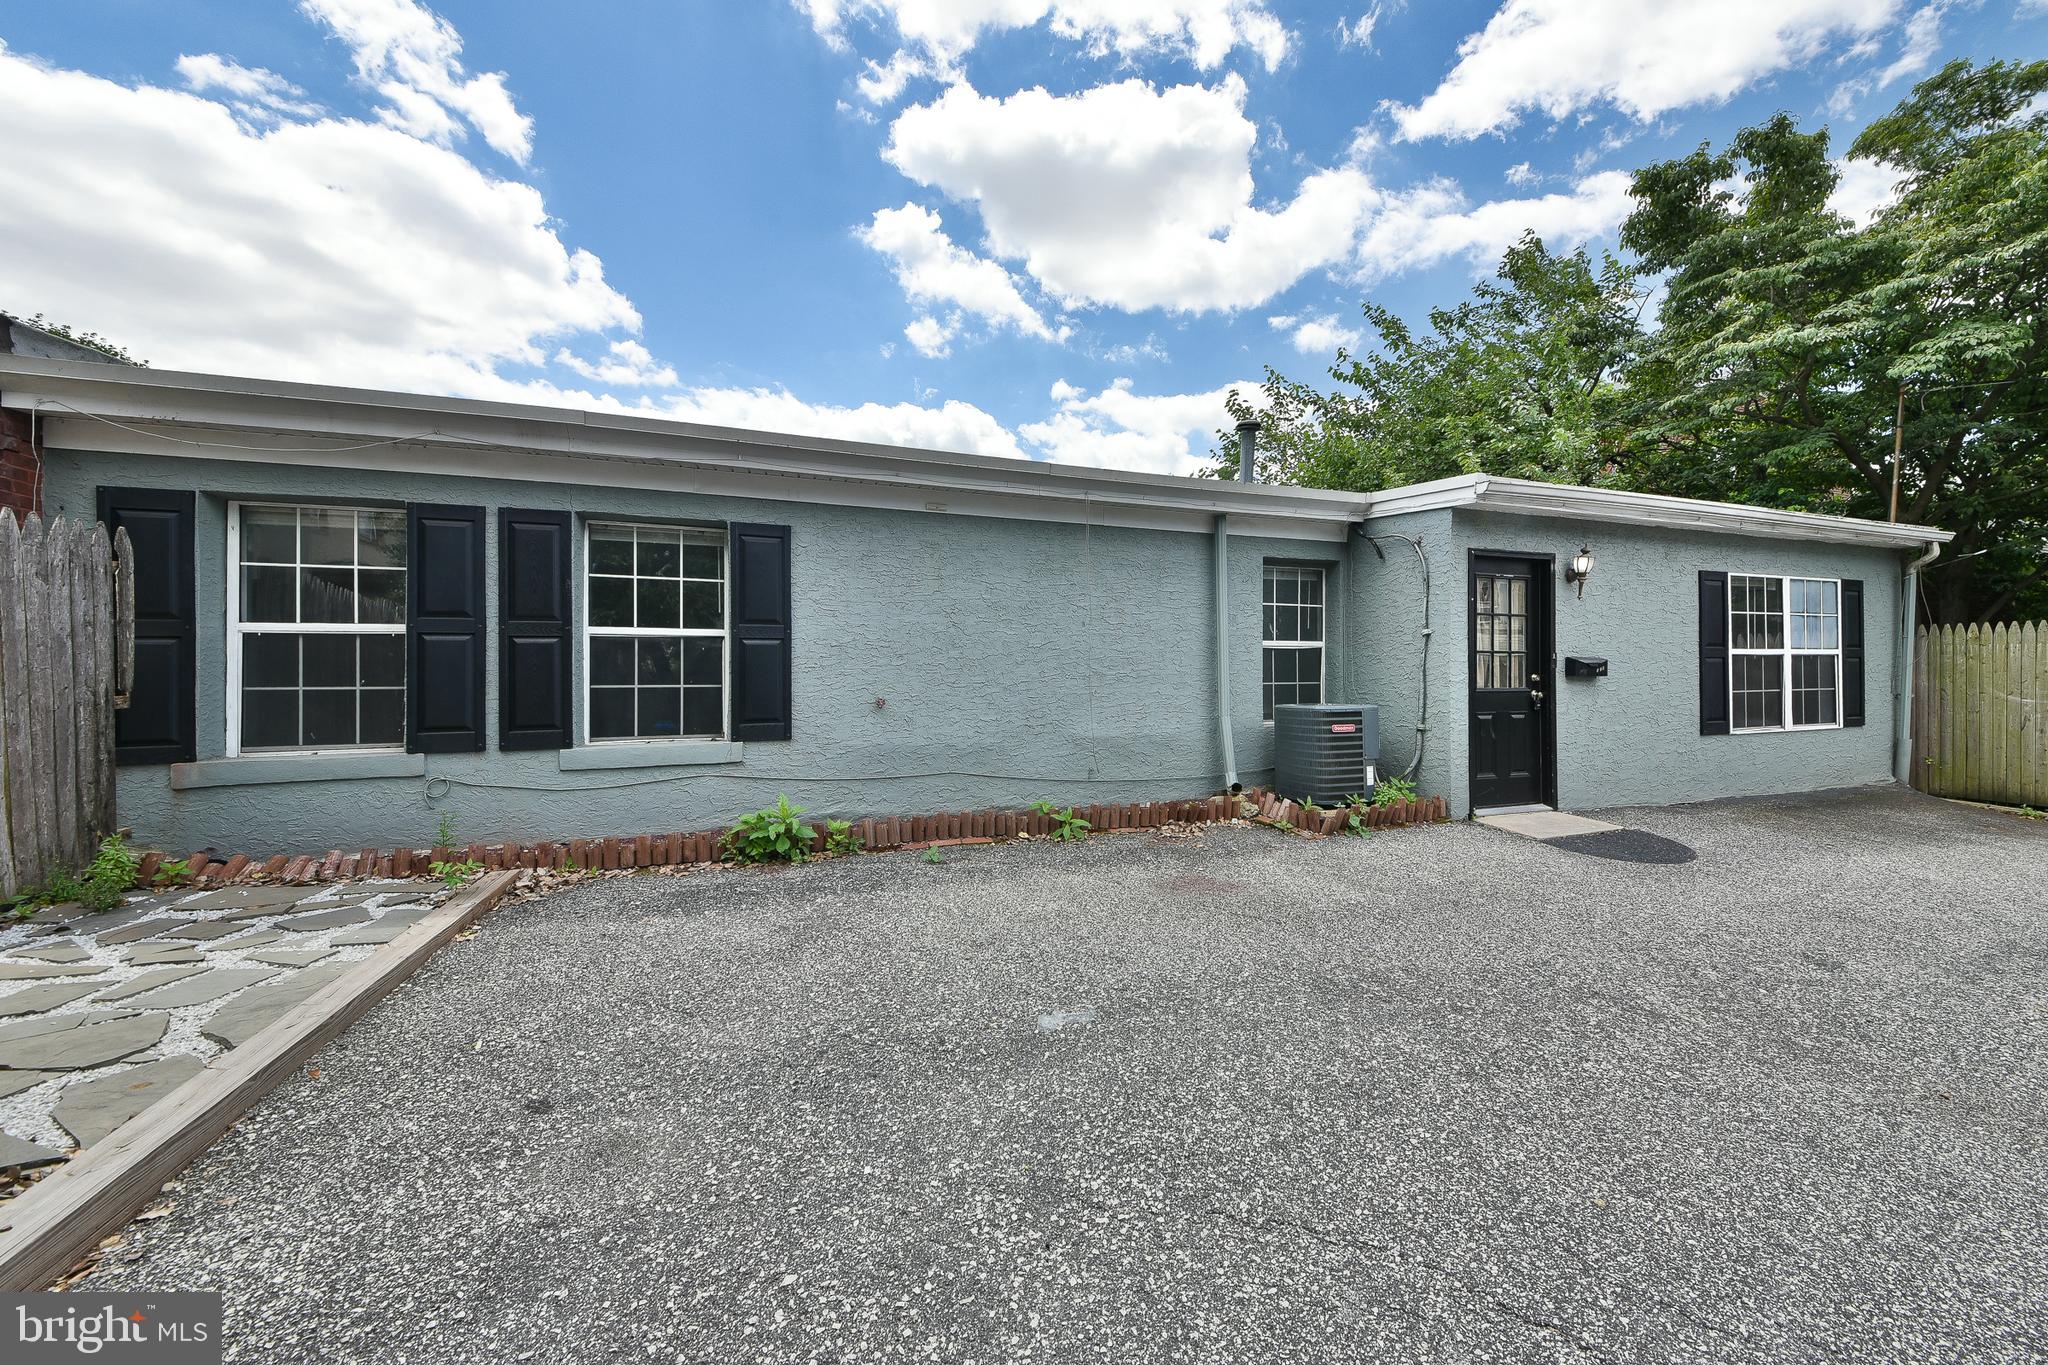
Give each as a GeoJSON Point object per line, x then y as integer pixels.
{"type": "Point", "coordinates": [171, 871]}
{"type": "Point", "coordinates": [932, 855]}
{"type": "Point", "coordinates": [571, 865]}
{"type": "Point", "coordinates": [1391, 791]}
{"type": "Point", "coordinates": [1067, 827]}
{"type": "Point", "coordinates": [109, 875]}
{"type": "Point", "coordinates": [775, 835]}
{"type": "Point", "coordinates": [455, 874]}
{"type": "Point", "coordinates": [2029, 813]}
{"type": "Point", "coordinates": [444, 833]}
{"type": "Point", "coordinates": [840, 838]}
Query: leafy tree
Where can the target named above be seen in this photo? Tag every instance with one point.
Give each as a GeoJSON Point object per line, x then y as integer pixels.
{"type": "Point", "coordinates": [1785, 340]}
{"type": "Point", "coordinates": [92, 341]}
{"type": "Point", "coordinates": [1517, 380]}
{"type": "Point", "coordinates": [1787, 333]}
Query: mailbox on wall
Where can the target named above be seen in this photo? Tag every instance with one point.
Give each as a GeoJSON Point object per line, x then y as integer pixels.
{"type": "Point", "coordinates": [1584, 666]}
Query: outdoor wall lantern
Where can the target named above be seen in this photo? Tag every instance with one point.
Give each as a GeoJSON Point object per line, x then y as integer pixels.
{"type": "Point", "coordinates": [1580, 569]}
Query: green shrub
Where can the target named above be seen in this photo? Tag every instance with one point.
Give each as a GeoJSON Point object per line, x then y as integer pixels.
{"type": "Point", "coordinates": [932, 855]}
{"type": "Point", "coordinates": [109, 875]}
{"type": "Point", "coordinates": [774, 835]}
{"type": "Point", "coordinates": [455, 874]}
{"type": "Point", "coordinates": [1392, 791]}
{"type": "Point", "coordinates": [1067, 827]}
{"type": "Point", "coordinates": [840, 838]}
{"type": "Point", "coordinates": [171, 871]}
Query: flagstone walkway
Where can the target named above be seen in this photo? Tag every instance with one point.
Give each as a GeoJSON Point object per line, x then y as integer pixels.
{"type": "Point", "coordinates": [103, 1014]}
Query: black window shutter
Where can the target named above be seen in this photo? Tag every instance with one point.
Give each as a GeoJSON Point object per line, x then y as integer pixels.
{"type": "Point", "coordinates": [533, 629]}
{"type": "Point", "coordinates": [1852, 651]}
{"type": "Point", "coordinates": [1713, 653]}
{"type": "Point", "coordinates": [760, 632]}
{"type": "Point", "coordinates": [445, 629]}
{"type": "Point", "coordinates": [160, 724]}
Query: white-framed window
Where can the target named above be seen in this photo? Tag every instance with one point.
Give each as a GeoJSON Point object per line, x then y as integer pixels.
{"type": "Point", "coordinates": [1292, 670]}
{"type": "Point", "coordinates": [1784, 652]}
{"type": "Point", "coordinates": [654, 646]}
{"type": "Point", "coordinates": [316, 628]}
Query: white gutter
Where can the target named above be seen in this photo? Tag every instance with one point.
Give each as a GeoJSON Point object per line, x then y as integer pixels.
{"type": "Point", "coordinates": [1902, 692]}
{"type": "Point", "coordinates": [223, 413]}
{"type": "Point", "coordinates": [1527, 497]}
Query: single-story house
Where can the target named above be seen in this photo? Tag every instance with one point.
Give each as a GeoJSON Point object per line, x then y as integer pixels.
{"type": "Point", "coordinates": [361, 612]}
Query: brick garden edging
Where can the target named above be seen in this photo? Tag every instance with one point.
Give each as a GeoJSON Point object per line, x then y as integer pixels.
{"type": "Point", "coordinates": [877, 834]}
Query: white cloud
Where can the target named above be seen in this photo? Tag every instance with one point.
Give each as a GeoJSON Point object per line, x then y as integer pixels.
{"type": "Point", "coordinates": [255, 93]}
{"type": "Point", "coordinates": [411, 56]}
{"type": "Point", "coordinates": [1130, 353]}
{"type": "Point", "coordinates": [1129, 195]}
{"type": "Point", "coordinates": [1431, 223]}
{"type": "Point", "coordinates": [1523, 174]}
{"type": "Point", "coordinates": [882, 82]}
{"type": "Point", "coordinates": [933, 270]}
{"type": "Point", "coordinates": [932, 338]}
{"type": "Point", "coordinates": [333, 251]}
{"type": "Point", "coordinates": [1120, 428]}
{"type": "Point", "coordinates": [952, 425]}
{"type": "Point", "coordinates": [1919, 44]}
{"type": "Point", "coordinates": [1202, 31]}
{"type": "Point", "coordinates": [625, 363]}
{"type": "Point", "coordinates": [1865, 189]}
{"type": "Point", "coordinates": [1556, 57]}
{"type": "Point", "coordinates": [1318, 335]}
{"type": "Point", "coordinates": [1360, 32]}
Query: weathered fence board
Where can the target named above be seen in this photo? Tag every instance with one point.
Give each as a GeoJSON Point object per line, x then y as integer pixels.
{"type": "Point", "coordinates": [1980, 709]}
{"type": "Point", "coordinates": [62, 638]}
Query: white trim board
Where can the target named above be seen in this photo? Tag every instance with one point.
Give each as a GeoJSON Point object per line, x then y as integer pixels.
{"type": "Point", "coordinates": [1528, 497]}
{"type": "Point", "coordinates": [464, 437]}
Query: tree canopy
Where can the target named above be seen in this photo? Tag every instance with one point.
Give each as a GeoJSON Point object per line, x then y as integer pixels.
{"type": "Point", "coordinates": [1782, 342]}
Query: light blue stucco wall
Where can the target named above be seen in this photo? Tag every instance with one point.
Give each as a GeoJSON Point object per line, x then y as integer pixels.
{"type": "Point", "coordinates": [1017, 660]}
{"type": "Point", "coordinates": [1632, 737]}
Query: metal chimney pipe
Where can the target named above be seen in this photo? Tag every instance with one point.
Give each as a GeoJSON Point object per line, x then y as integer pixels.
{"type": "Point", "coordinates": [1247, 450]}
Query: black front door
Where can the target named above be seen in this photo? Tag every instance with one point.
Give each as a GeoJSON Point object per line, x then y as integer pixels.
{"type": "Point", "coordinates": [1509, 668]}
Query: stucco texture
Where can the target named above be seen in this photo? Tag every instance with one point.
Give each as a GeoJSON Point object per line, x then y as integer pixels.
{"type": "Point", "coordinates": [1013, 660]}
{"type": "Point", "coordinates": [1631, 738]}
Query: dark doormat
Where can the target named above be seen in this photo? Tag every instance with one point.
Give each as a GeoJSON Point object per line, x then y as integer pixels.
{"type": "Point", "coordinates": [1625, 846]}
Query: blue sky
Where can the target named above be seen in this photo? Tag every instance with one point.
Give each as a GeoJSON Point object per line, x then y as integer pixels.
{"type": "Point", "coordinates": [1046, 228]}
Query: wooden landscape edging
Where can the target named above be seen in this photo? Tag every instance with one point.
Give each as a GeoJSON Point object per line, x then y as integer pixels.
{"type": "Point", "coordinates": [48, 1228]}
{"type": "Point", "coordinates": [877, 834]}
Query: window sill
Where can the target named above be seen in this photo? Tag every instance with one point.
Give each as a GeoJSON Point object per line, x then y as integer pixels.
{"type": "Point", "coordinates": [661, 753]}
{"type": "Point", "coordinates": [267, 769]}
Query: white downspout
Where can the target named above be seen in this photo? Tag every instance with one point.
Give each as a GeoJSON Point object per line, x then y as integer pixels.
{"type": "Point", "coordinates": [1223, 717]}
{"type": "Point", "coordinates": [1902, 706]}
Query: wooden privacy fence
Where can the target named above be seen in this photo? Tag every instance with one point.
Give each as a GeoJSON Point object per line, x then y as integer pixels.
{"type": "Point", "coordinates": [1980, 713]}
{"type": "Point", "coordinates": [67, 647]}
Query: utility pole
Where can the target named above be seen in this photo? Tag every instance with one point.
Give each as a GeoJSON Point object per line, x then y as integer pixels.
{"type": "Point", "coordinates": [1898, 449]}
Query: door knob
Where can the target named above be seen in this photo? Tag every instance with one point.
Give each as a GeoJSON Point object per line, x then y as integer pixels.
{"type": "Point", "coordinates": [1535, 698]}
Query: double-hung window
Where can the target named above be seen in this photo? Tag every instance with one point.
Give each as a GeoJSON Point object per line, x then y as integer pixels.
{"type": "Point", "coordinates": [316, 638]}
{"type": "Point", "coordinates": [654, 633]}
{"type": "Point", "coordinates": [1785, 652]}
{"type": "Point", "coordinates": [1294, 618]}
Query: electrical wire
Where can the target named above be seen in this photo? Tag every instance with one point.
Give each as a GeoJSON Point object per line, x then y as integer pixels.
{"type": "Point", "coordinates": [1422, 702]}
{"type": "Point", "coordinates": [431, 794]}
{"type": "Point", "coordinates": [274, 450]}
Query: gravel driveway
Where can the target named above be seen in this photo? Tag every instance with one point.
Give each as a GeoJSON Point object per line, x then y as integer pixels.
{"type": "Point", "coordinates": [1441, 1095]}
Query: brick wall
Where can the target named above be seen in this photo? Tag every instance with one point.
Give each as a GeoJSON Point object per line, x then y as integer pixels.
{"type": "Point", "coordinates": [20, 464]}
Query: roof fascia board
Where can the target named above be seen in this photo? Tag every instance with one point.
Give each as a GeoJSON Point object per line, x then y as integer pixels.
{"type": "Point", "coordinates": [144, 397]}
{"type": "Point", "coordinates": [628, 474]}
{"type": "Point", "coordinates": [1527, 497]}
